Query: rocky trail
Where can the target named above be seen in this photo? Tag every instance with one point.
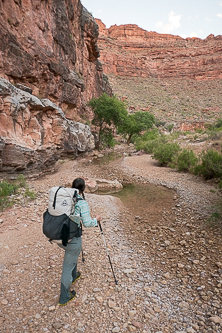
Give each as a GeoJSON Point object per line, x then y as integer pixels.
{"type": "Point", "coordinates": [167, 260]}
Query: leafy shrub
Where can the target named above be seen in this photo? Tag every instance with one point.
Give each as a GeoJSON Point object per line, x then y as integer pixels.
{"type": "Point", "coordinates": [10, 188]}
{"type": "Point", "coordinates": [159, 123]}
{"type": "Point", "coordinates": [153, 144]}
{"type": "Point", "coordinates": [165, 153]}
{"type": "Point", "coordinates": [219, 123]}
{"type": "Point", "coordinates": [215, 130]}
{"type": "Point", "coordinates": [170, 127]}
{"type": "Point", "coordinates": [199, 130]}
{"type": "Point", "coordinates": [216, 126]}
{"type": "Point", "coordinates": [141, 141]}
{"type": "Point", "coordinates": [216, 216]}
{"type": "Point", "coordinates": [150, 135]}
{"type": "Point", "coordinates": [185, 160]}
{"type": "Point", "coordinates": [210, 166]}
{"type": "Point", "coordinates": [29, 193]}
{"type": "Point", "coordinates": [149, 146]}
{"type": "Point", "coordinates": [150, 141]}
{"type": "Point", "coordinates": [6, 190]}
{"type": "Point", "coordinates": [21, 181]}
{"type": "Point", "coordinates": [175, 135]}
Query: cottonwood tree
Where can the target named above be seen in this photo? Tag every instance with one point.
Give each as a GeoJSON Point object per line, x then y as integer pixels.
{"type": "Point", "coordinates": [109, 113]}
{"type": "Point", "coordinates": [136, 123]}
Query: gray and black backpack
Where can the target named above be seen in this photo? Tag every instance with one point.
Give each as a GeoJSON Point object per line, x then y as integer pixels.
{"type": "Point", "coordinates": [59, 222]}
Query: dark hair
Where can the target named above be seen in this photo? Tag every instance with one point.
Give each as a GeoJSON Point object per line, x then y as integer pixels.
{"type": "Point", "coordinates": [79, 184]}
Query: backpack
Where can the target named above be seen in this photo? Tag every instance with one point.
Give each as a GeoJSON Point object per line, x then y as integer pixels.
{"type": "Point", "coordinates": [57, 224]}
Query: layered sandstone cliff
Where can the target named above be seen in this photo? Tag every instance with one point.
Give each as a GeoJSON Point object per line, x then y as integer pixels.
{"type": "Point", "coordinates": [128, 50]}
{"type": "Point", "coordinates": [49, 49]}
{"type": "Point", "coordinates": [35, 132]}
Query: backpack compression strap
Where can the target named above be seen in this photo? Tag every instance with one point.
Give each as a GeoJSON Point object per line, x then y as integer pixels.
{"type": "Point", "coordinates": [54, 202]}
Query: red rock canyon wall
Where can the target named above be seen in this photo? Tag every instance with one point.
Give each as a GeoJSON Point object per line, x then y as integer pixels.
{"type": "Point", "coordinates": [49, 49]}
{"type": "Point", "coordinates": [128, 50]}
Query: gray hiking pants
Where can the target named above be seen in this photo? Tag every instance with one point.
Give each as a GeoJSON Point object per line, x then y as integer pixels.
{"type": "Point", "coordinates": [72, 251]}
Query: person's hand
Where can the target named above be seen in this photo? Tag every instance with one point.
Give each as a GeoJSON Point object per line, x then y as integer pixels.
{"type": "Point", "coordinates": [98, 217]}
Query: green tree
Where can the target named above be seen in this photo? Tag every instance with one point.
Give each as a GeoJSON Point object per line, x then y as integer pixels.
{"type": "Point", "coordinates": [108, 112]}
{"type": "Point", "coordinates": [136, 123]}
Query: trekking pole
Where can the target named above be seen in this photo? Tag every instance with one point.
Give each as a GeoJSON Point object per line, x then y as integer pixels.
{"type": "Point", "coordinates": [83, 259]}
{"type": "Point", "coordinates": [100, 226]}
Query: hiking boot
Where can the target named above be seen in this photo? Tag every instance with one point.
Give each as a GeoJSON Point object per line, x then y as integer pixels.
{"type": "Point", "coordinates": [78, 274]}
{"type": "Point", "coordinates": [72, 294]}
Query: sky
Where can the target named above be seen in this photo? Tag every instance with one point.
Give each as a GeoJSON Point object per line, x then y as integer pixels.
{"type": "Point", "coordinates": [185, 18]}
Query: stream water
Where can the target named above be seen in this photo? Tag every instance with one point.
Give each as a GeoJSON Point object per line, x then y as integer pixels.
{"type": "Point", "coordinates": [144, 200]}
{"type": "Point", "coordinates": [140, 199]}
{"type": "Point", "coordinates": [106, 159]}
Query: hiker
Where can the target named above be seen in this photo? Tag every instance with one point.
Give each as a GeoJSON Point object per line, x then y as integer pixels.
{"type": "Point", "coordinates": [73, 248]}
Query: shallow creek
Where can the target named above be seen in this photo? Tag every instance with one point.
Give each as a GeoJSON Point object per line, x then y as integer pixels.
{"type": "Point", "coordinates": [143, 200]}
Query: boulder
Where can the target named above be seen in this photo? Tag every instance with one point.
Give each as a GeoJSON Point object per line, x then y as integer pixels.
{"type": "Point", "coordinates": [93, 185]}
{"type": "Point", "coordinates": [104, 185]}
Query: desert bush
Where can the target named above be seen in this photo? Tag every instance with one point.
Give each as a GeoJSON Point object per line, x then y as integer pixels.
{"type": "Point", "coordinates": [199, 130]}
{"type": "Point", "coordinates": [10, 188]}
{"type": "Point", "coordinates": [150, 146]}
{"type": "Point", "coordinates": [20, 181]}
{"type": "Point", "coordinates": [6, 190]}
{"type": "Point", "coordinates": [29, 193]}
{"type": "Point", "coordinates": [216, 215]}
{"type": "Point", "coordinates": [214, 134]}
{"type": "Point", "coordinates": [185, 161]}
{"type": "Point", "coordinates": [214, 131]}
{"type": "Point", "coordinates": [150, 141]}
{"type": "Point", "coordinates": [165, 153]}
{"type": "Point", "coordinates": [210, 165]}
{"type": "Point", "coordinates": [175, 135]}
{"type": "Point", "coordinates": [149, 135]}
{"type": "Point", "coordinates": [170, 127]}
{"type": "Point", "coordinates": [159, 123]}
{"type": "Point", "coordinates": [216, 126]}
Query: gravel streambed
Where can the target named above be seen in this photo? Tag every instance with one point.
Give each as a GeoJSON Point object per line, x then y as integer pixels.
{"type": "Point", "coordinates": [168, 265]}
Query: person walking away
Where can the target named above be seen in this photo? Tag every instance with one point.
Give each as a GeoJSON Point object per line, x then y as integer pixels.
{"type": "Point", "coordinates": [73, 248]}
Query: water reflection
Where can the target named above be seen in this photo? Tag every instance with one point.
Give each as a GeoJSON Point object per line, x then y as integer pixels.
{"type": "Point", "coordinates": [106, 158]}
{"type": "Point", "coordinates": [142, 199]}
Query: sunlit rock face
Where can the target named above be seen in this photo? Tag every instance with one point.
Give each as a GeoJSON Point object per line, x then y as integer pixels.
{"type": "Point", "coordinates": [35, 132]}
{"type": "Point", "coordinates": [128, 50]}
{"type": "Point", "coordinates": [49, 54]}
